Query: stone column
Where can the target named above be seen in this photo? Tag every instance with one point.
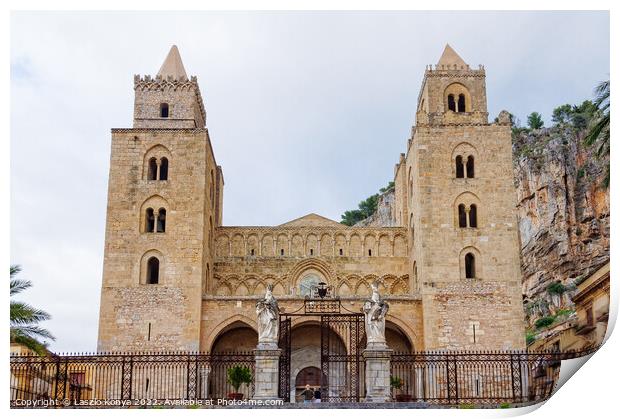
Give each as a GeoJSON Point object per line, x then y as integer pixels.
{"type": "Point", "coordinates": [377, 357]}
{"type": "Point", "coordinates": [266, 372]}
{"type": "Point", "coordinates": [204, 382]}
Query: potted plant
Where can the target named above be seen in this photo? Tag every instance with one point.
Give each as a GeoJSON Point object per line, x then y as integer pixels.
{"type": "Point", "coordinates": [236, 376]}
{"type": "Point", "coordinates": [397, 383]}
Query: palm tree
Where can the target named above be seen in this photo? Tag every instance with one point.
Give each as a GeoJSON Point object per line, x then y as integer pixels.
{"type": "Point", "coordinates": [599, 129]}
{"type": "Point", "coordinates": [24, 318]}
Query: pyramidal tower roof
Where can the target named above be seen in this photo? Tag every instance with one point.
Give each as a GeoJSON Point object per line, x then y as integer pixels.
{"type": "Point", "coordinates": [450, 58]}
{"type": "Point", "coordinates": [173, 65]}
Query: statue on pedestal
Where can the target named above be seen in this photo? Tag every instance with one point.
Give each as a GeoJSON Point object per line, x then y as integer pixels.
{"type": "Point", "coordinates": [268, 319]}
{"type": "Point", "coordinates": [375, 311]}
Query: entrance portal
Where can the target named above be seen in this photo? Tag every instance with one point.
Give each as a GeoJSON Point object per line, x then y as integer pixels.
{"type": "Point", "coordinates": [328, 346]}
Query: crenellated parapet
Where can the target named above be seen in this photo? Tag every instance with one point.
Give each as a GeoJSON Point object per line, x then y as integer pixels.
{"type": "Point", "coordinates": [169, 85]}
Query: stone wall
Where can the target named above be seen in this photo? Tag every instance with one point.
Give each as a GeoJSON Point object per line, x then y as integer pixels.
{"type": "Point", "coordinates": [248, 259]}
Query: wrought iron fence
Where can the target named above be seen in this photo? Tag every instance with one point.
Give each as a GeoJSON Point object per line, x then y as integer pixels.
{"type": "Point", "coordinates": [477, 378]}
{"type": "Point", "coordinates": [139, 379]}
{"type": "Point", "coordinates": [442, 378]}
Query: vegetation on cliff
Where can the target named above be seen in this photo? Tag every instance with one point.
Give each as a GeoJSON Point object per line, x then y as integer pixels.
{"type": "Point", "coordinates": [366, 208]}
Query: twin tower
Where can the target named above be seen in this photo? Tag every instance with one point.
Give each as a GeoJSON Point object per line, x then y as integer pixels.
{"type": "Point", "coordinates": [454, 251]}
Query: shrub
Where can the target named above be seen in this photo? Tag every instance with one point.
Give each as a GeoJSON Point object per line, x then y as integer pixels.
{"type": "Point", "coordinates": [544, 322]}
{"type": "Point", "coordinates": [581, 173]}
{"type": "Point", "coordinates": [238, 375]}
{"type": "Point", "coordinates": [530, 337]}
{"type": "Point", "coordinates": [556, 288]}
{"type": "Point", "coordinates": [396, 382]}
{"type": "Point", "coordinates": [505, 406]}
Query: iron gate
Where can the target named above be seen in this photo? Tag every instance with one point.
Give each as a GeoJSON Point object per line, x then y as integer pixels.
{"type": "Point", "coordinates": [342, 340]}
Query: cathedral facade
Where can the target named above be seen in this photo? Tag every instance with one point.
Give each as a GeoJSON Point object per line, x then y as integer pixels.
{"type": "Point", "coordinates": [175, 278]}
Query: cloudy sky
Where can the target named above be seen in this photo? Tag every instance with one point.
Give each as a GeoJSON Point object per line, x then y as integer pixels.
{"type": "Point", "coordinates": [307, 112]}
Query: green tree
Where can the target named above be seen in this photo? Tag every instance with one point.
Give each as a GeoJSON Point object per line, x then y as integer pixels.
{"type": "Point", "coordinates": [24, 328]}
{"type": "Point", "coordinates": [352, 217]}
{"type": "Point", "coordinates": [562, 114]}
{"type": "Point", "coordinates": [598, 132]}
{"type": "Point", "coordinates": [577, 115]}
{"type": "Point", "coordinates": [535, 121]}
{"type": "Point", "coordinates": [387, 188]}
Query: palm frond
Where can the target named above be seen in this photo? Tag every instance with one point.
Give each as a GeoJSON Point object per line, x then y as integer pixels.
{"type": "Point", "coordinates": [31, 331]}
{"type": "Point", "coordinates": [22, 313]}
{"type": "Point", "coordinates": [15, 269]}
{"type": "Point", "coordinates": [19, 285]}
{"type": "Point", "coordinates": [30, 343]}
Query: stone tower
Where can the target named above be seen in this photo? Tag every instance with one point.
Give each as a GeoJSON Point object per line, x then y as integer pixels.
{"type": "Point", "coordinates": [455, 194]}
{"type": "Point", "coordinates": [164, 203]}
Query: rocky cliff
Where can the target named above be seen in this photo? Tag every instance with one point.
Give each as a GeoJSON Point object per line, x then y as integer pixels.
{"type": "Point", "coordinates": [384, 216]}
{"type": "Point", "coordinates": [563, 213]}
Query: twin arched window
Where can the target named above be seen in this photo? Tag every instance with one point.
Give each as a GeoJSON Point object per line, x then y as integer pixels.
{"type": "Point", "coordinates": [158, 170]}
{"type": "Point", "coordinates": [464, 168]}
{"type": "Point", "coordinates": [152, 270]}
{"type": "Point", "coordinates": [468, 216]}
{"type": "Point", "coordinates": [456, 104]}
{"type": "Point", "coordinates": [155, 223]}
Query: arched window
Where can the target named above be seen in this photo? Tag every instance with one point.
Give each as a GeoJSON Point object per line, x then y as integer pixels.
{"type": "Point", "coordinates": [152, 271]}
{"type": "Point", "coordinates": [470, 166]}
{"type": "Point", "coordinates": [149, 221]}
{"type": "Point", "coordinates": [152, 173]}
{"type": "Point", "coordinates": [341, 252]}
{"type": "Point", "coordinates": [451, 103]}
{"type": "Point", "coordinates": [281, 252]}
{"type": "Point", "coordinates": [252, 252]}
{"type": "Point", "coordinates": [462, 216]}
{"type": "Point", "coordinates": [461, 103]}
{"type": "Point", "coordinates": [369, 252]}
{"type": "Point", "coordinates": [470, 266]}
{"type": "Point", "coordinates": [473, 216]}
{"type": "Point", "coordinates": [161, 220]}
{"type": "Point", "coordinates": [163, 169]}
{"type": "Point", "coordinates": [311, 252]}
{"type": "Point", "coordinates": [163, 110]}
{"type": "Point", "coordinates": [460, 172]}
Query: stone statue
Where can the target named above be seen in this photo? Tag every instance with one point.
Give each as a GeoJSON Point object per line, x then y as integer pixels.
{"type": "Point", "coordinates": [375, 311]}
{"type": "Point", "coordinates": [268, 316]}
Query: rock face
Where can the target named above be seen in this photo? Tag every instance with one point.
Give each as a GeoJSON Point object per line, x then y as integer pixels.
{"type": "Point", "coordinates": [384, 216]}
{"type": "Point", "coordinates": [563, 211]}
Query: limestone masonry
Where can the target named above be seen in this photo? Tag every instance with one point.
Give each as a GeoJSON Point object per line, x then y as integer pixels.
{"type": "Point", "coordinates": [175, 278]}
